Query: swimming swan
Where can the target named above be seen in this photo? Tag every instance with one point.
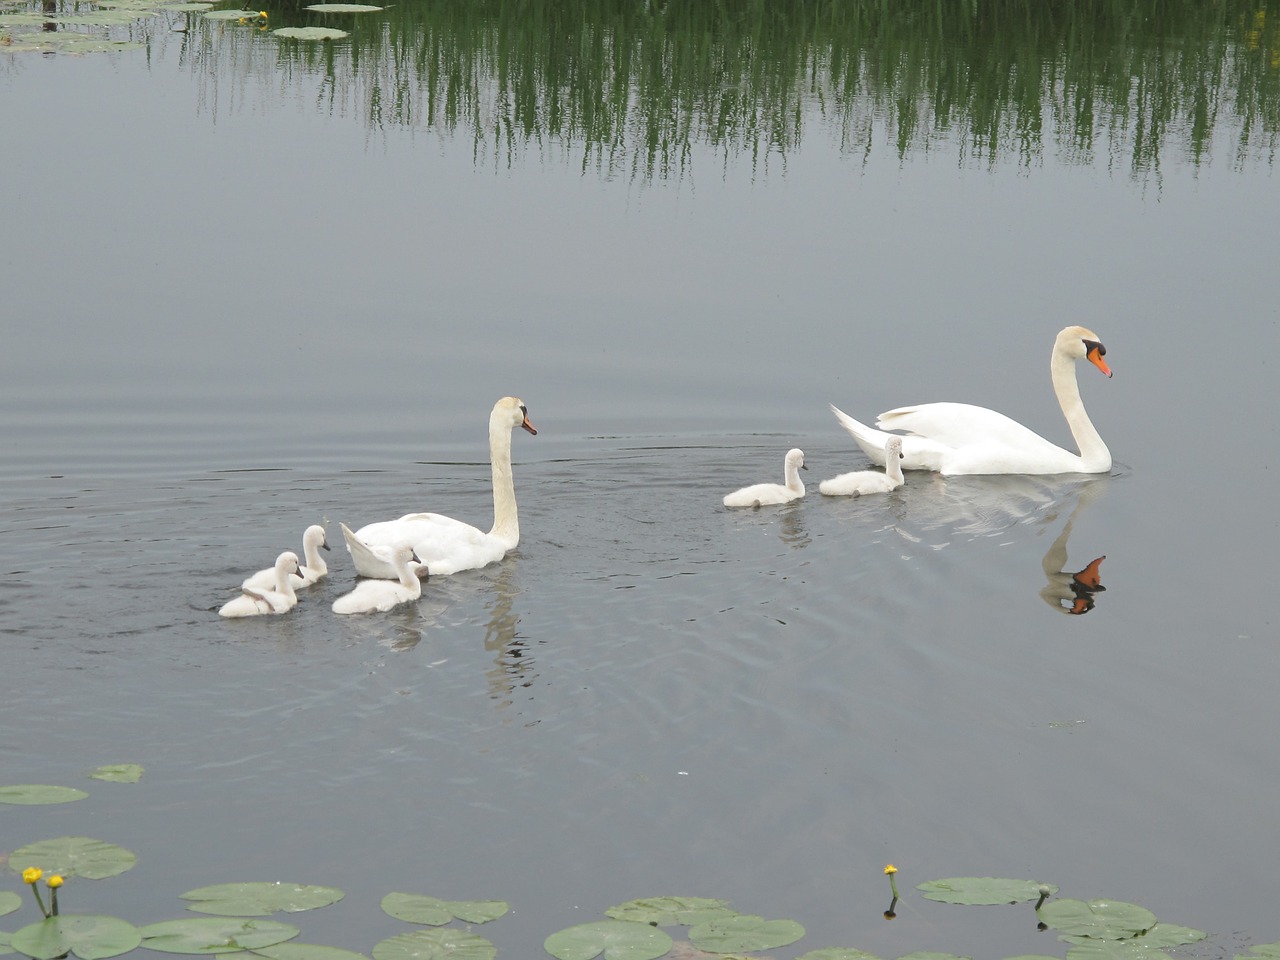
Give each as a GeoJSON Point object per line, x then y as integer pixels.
{"type": "Point", "coordinates": [761, 494]}
{"type": "Point", "coordinates": [313, 541]}
{"type": "Point", "coordinates": [869, 481]}
{"type": "Point", "coordinates": [958, 438]}
{"type": "Point", "coordinates": [277, 599]}
{"type": "Point", "coordinates": [443, 544]}
{"type": "Point", "coordinates": [372, 596]}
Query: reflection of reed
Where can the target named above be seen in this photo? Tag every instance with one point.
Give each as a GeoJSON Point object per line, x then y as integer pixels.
{"type": "Point", "coordinates": [1066, 592]}
{"type": "Point", "coordinates": [629, 87]}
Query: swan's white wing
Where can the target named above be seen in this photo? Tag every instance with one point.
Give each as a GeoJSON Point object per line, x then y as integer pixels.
{"type": "Point", "coordinates": [918, 453]}
{"type": "Point", "coordinates": [442, 544]}
{"type": "Point", "coordinates": [978, 440]}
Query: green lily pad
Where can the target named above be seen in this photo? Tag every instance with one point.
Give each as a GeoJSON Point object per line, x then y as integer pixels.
{"type": "Point", "coordinates": [343, 8]}
{"type": "Point", "coordinates": [9, 902]}
{"type": "Point", "coordinates": [4, 943]}
{"type": "Point", "coordinates": [204, 935]}
{"type": "Point", "coordinates": [33, 793]}
{"type": "Point", "coordinates": [614, 939]}
{"type": "Point", "coordinates": [118, 773]}
{"type": "Point", "coordinates": [668, 911]}
{"type": "Point", "coordinates": [1261, 951]}
{"type": "Point", "coordinates": [445, 944]}
{"type": "Point", "coordinates": [838, 953]}
{"type": "Point", "coordinates": [232, 15]}
{"type": "Point", "coordinates": [260, 899]}
{"type": "Point", "coordinates": [1087, 948]}
{"type": "Point", "coordinates": [930, 955]}
{"type": "Point", "coordinates": [744, 932]}
{"type": "Point", "coordinates": [1100, 919]}
{"type": "Point", "coordinates": [982, 890]}
{"type": "Point", "coordinates": [189, 7]}
{"type": "Point", "coordinates": [307, 951]}
{"type": "Point", "coordinates": [88, 937]}
{"type": "Point", "coordinates": [74, 857]}
{"type": "Point", "coordinates": [310, 33]}
{"type": "Point", "coordinates": [1031, 956]}
{"type": "Point", "coordinates": [417, 908]}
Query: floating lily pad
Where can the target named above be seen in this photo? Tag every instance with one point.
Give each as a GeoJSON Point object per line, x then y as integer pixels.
{"type": "Point", "coordinates": [88, 937]}
{"type": "Point", "coordinates": [259, 899]}
{"type": "Point", "coordinates": [185, 7]}
{"type": "Point", "coordinates": [1261, 951]}
{"type": "Point", "coordinates": [9, 902]}
{"type": "Point", "coordinates": [417, 908]}
{"type": "Point", "coordinates": [232, 15]}
{"type": "Point", "coordinates": [744, 932]}
{"type": "Point", "coordinates": [840, 953]}
{"type": "Point", "coordinates": [343, 8]}
{"type": "Point", "coordinates": [206, 935]}
{"type": "Point", "coordinates": [1100, 919]}
{"type": "Point", "coordinates": [1031, 956]}
{"type": "Point", "coordinates": [310, 33]}
{"type": "Point", "coordinates": [667, 911]}
{"type": "Point", "coordinates": [33, 793]}
{"type": "Point", "coordinates": [74, 857]}
{"type": "Point", "coordinates": [982, 890]}
{"type": "Point", "coordinates": [4, 943]}
{"type": "Point", "coordinates": [1087, 948]}
{"type": "Point", "coordinates": [307, 951]}
{"type": "Point", "coordinates": [98, 18]}
{"type": "Point", "coordinates": [118, 773]}
{"type": "Point", "coordinates": [446, 944]}
{"type": "Point", "coordinates": [612, 939]}
{"type": "Point", "coordinates": [930, 955]}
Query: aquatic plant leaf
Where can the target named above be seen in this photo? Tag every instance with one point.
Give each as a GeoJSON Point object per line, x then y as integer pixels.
{"type": "Point", "coordinates": [4, 943]}
{"type": "Point", "coordinates": [88, 937]}
{"type": "Point", "coordinates": [1261, 951]}
{"type": "Point", "coordinates": [231, 15]}
{"type": "Point", "coordinates": [191, 7]}
{"type": "Point", "coordinates": [1088, 948]}
{"type": "Point", "coordinates": [9, 902]}
{"type": "Point", "coordinates": [612, 939]}
{"type": "Point", "coordinates": [310, 33]}
{"type": "Point", "coordinates": [839, 953]}
{"type": "Point", "coordinates": [34, 793]}
{"type": "Point", "coordinates": [1100, 919]}
{"type": "Point", "coordinates": [1031, 956]}
{"type": "Point", "coordinates": [668, 911]}
{"type": "Point", "coordinates": [444, 944]}
{"type": "Point", "coordinates": [260, 899]}
{"type": "Point", "coordinates": [307, 951]}
{"type": "Point", "coordinates": [119, 773]}
{"type": "Point", "coordinates": [416, 908]}
{"type": "Point", "coordinates": [204, 935]}
{"type": "Point", "coordinates": [744, 932]}
{"type": "Point", "coordinates": [478, 911]}
{"type": "Point", "coordinates": [982, 890]}
{"type": "Point", "coordinates": [930, 955]}
{"type": "Point", "coordinates": [74, 857]}
{"type": "Point", "coordinates": [343, 8]}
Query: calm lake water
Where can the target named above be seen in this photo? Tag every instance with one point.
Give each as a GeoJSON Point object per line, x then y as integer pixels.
{"type": "Point", "coordinates": [239, 300]}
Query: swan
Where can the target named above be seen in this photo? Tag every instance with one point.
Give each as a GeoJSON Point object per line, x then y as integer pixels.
{"type": "Point", "coordinates": [371, 596]}
{"type": "Point", "coordinates": [869, 481]}
{"type": "Point", "coordinates": [442, 544]}
{"type": "Point", "coordinates": [761, 494]}
{"type": "Point", "coordinates": [314, 540]}
{"type": "Point", "coordinates": [958, 438]}
{"type": "Point", "coordinates": [278, 599]}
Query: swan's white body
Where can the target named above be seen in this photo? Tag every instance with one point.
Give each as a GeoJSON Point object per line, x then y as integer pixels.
{"type": "Point", "coordinates": [958, 438]}
{"type": "Point", "coordinates": [314, 567]}
{"type": "Point", "coordinates": [373, 596]}
{"type": "Point", "coordinates": [278, 599]}
{"type": "Point", "coordinates": [442, 544]}
{"type": "Point", "coordinates": [763, 494]}
{"type": "Point", "coordinates": [862, 482]}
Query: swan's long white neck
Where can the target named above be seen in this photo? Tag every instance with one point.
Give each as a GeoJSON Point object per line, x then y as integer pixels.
{"type": "Point", "coordinates": [506, 525]}
{"type": "Point", "coordinates": [408, 576]}
{"type": "Point", "coordinates": [893, 466]}
{"type": "Point", "coordinates": [1094, 455]}
{"type": "Point", "coordinates": [284, 582]}
{"type": "Point", "coordinates": [792, 477]}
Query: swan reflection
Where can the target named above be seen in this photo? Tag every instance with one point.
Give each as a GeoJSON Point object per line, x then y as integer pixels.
{"type": "Point", "coordinates": [1072, 593]}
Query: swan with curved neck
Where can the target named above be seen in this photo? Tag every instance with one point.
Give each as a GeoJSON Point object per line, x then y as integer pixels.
{"type": "Point", "coordinates": [862, 482]}
{"type": "Point", "coordinates": [959, 438]}
{"type": "Point", "coordinates": [763, 494]}
{"type": "Point", "coordinates": [375, 596]}
{"type": "Point", "coordinates": [444, 545]}
{"type": "Point", "coordinates": [279, 598]}
{"type": "Point", "coordinates": [313, 567]}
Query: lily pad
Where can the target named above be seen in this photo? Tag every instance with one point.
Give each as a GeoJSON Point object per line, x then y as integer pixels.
{"type": "Point", "coordinates": [74, 857]}
{"type": "Point", "coordinates": [34, 793]}
{"type": "Point", "coordinates": [982, 890]}
{"type": "Point", "coordinates": [118, 773]}
{"type": "Point", "coordinates": [307, 951]}
{"type": "Point", "coordinates": [9, 902]}
{"type": "Point", "coordinates": [231, 15]}
{"type": "Point", "coordinates": [190, 7]}
{"type": "Point", "coordinates": [1261, 951]}
{"type": "Point", "coordinates": [930, 955]}
{"type": "Point", "coordinates": [612, 939]}
{"type": "Point", "coordinates": [260, 899]}
{"type": "Point", "coordinates": [1100, 919]}
{"type": "Point", "coordinates": [343, 8]}
{"type": "Point", "coordinates": [310, 33]}
{"type": "Point", "coordinates": [88, 937]}
{"type": "Point", "coordinates": [446, 944]}
{"type": "Point", "coordinates": [668, 911]}
{"type": "Point", "coordinates": [838, 953]}
{"type": "Point", "coordinates": [417, 908]}
{"type": "Point", "coordinates": [744, 932]}
{"type": "Point", "coordinates": [1087, 948]}
{"type": "Point", "coordinates": [205, 935]}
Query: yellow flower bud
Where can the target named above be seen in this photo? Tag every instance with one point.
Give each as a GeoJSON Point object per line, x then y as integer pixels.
{"type": "Point", "coordinates": [32, 874]}
{"type": "Point", "coordinates": [55, 881]}
{"type": "Point", "coordinates": [890, 869]}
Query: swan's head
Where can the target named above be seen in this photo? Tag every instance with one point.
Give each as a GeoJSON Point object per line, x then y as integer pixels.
{"type": "Point", "coordinates": [795, 459]}
{"type": "Point", "coordinates": [314, 535]}
{"type": "Point", "coordinates": [893, 448]}
{"type": "Point", "coordinates": [511, 413]}
{"type": "Point", "coordinates": [287, 562]}
{"type": "Point", "coordinates": [1081, 343]}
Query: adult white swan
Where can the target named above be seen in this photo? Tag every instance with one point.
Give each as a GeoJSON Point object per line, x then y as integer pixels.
{"type": "Point", "coordinates": [374, 596]}
{"type": "Point", "coordinates": [959, 438]}
{"type": "Point", "coordinates": [761, 494]}
{"type": "Point", "coordinates": [313, 567]}
{"type": "Point", "coordinates": [444, 545]}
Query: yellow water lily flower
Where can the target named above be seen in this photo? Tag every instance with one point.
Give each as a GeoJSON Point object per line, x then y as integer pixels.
{"type": "Point", "coordinates": [32, 874]}
{"type": "Point", "coordinates": [890, 869]}
{"type": "Point", "coordinates": [55, 881]}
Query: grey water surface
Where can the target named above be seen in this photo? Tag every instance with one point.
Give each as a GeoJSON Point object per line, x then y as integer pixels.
{"type": "Point", "coordinates": [226, 318]}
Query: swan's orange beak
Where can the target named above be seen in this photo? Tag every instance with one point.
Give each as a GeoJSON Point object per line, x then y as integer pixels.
{"type": "Point", "coordinates": [529, 426]}
{"type": "Point", "coordinates": [1091, 576]}
{"type": "Point", "coordinates": [1095, 357]}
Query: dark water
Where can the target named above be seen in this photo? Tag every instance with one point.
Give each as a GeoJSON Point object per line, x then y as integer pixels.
{"type": "Point", "coordinates": [225, 324]}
